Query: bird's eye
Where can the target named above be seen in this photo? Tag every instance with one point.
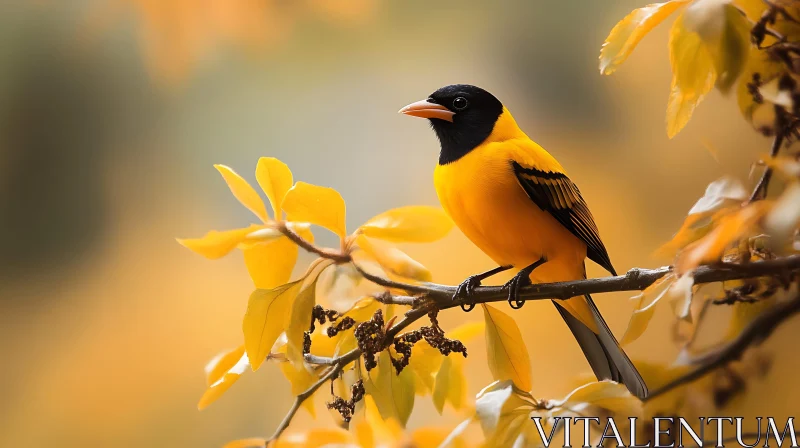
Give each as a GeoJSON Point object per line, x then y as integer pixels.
{"type": "Point", "coordinates": [460, 103]}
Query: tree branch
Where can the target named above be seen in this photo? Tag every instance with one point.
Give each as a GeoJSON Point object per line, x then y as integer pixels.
{"type": "Point", "coordinates": [634, 280]}
{"type": "Point", "coordinates": [760, 191]}
{"type": "Point", "coordinates": [756, 332]}
{"type": "Point", "coordinates": [337, 256]}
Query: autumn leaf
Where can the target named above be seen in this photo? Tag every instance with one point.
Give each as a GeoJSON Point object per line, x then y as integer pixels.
{"type": "Point", "coordinates": [223, 379]}
{"type": "Point", "coordinates": [220, 364]}
{"type": "Point", "coordinates": [503, 411]}
{"type": "Point", "coordinates": [267, 316]}
{"type": "Point", "coordinates": [728, 231]}
{"type": "Point", "coordinates": [721, 197]}
{"type": "Point", "coordinates": [505, 349]}
{"type": "Point", "coordinates": [451, 385]}
{"type": "Point", "coordinates": [393, 393]}
{"type": "Point", "coordinates": [414, 224]}
{"type": "Point", "coordinates": [725, 32]}
{"type": "Point", "coordinates": [645, 307]}
{"type": "Point", "coordinates": [300, 322]}
{"type": "Point", "coordinates": [300, 380]}
{"type": "Point", "coordinates": [270, 264]}
{"type": "Point", "coordinates": [243, 192]}
{"type": "Point", "coordinates": [607, 395]}
{"type": "Point", "coordinates": [216, 244]}
{"type": "Point", "coordinates": [275, 179]}
{"type": "Point", "coordinates": [693, 75]}
{"type": "Point", "coordinates": [394, 260]}
{"type": "Point", "coordinates": [425, 361]}
{"type": "Point", "coordinates": [321, 206]}
{"type": "Point", "coordinates": [629, 31]}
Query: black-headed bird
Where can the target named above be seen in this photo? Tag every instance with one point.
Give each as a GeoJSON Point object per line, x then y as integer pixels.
{"type": "Point", "coordinates": [514, 201]}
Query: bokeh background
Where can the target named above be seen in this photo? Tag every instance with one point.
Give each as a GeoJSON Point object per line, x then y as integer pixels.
{"type": "Point", "coordinates": [112, 113]}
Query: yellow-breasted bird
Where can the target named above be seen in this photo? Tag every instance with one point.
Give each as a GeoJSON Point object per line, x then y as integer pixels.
{"type": "Point", "coordinates": [515, 202]}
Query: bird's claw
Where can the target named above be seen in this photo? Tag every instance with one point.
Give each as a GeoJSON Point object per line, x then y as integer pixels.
{"type": "Point", "coordinates": [465, 290]}
{"type": "Point", "coordinates": [518, 281]}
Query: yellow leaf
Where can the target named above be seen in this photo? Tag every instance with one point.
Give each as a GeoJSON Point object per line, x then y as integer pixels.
{"type": "Point", "coordinates": [646, 302]}
{"type": "Point", "coordinates": [317, 205]}
{"type": "Point", "coordinates": [393, 393]}
{"type": "Point", "coordinates": [726, 34]}
{"type": "Point", "coordinates": [730, 229]}
{"type": "Point", "coordinates": [216, 368]}
{"type": "Point", "coordinates": [215, 244]}
{"type": "Point", "coordinates": [267, 316]}
{"type": "Point", "coordinates": [243, 192]}
{"type": "Point", "coordinates": [505, 349]}
{"type": "Point", "coordinates": [394, 260]}
{"type": "Point", "coordinates": [467, 331]}
{"type": "Point", "coordinates": [253, 442]}
{"type": "Point", "coordinates": [300, 322]}
{"type": "Point", "coordinates": [275, 178]}
{"type": "Point", "coordinates": [300, 380]}
{"type": "Point", "coordinates": [425, 361]}
{"type": "Point", "coordinates": [608, 395]}
{"type": "Point", "coordinates": [693, 75]}
{"type": "Point", "coordinates": [270, 264]}
{"type": "Point", "coordinates": [451, 385]}
{"type": "Point", "coordinates": [370, 429]}
{"type": "Point", "coordinates": [415, 224]}
{"type": "Point", "coordinates": [219, 387]}
{"type": "Point", "coordinates": [504, 413]}
{"type": "Point", "coordinates": [629, 31]}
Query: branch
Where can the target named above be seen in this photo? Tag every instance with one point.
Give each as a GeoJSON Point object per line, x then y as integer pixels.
{"type": "Point", "coordinates": [339, 257]}
{"type": "Point", "coordinates": [634, 280]}
{"type": "Point", "coordinates": [760, 191]}
{"type": "Point", "coordinates": [758, 330]}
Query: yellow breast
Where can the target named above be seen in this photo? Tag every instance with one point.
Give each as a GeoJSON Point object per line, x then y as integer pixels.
{"type": "Point", "coordinates": [481, 194]}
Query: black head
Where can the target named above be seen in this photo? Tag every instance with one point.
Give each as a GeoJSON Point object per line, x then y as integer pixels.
{"type": "Point", "coordinates": [462, 116]}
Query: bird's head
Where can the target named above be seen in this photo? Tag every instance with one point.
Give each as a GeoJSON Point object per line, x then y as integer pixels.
{"type": "Point", "coordinates": [463, 117]}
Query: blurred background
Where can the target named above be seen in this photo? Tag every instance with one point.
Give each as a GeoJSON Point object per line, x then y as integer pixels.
{"type": "Point", "coordinates": [113, 112]}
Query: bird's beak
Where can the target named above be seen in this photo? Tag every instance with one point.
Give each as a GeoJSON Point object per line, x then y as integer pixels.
{"type": "Point", "coordinates": [426, 109]}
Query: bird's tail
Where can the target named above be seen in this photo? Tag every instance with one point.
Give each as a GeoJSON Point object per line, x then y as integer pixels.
{"type": "Point", "coordinates": [603, 352]}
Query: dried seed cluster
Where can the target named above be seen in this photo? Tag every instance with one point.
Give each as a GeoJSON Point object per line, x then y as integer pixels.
{"type": "Point", "coordinates": [370, 336]}
{"type": "Point", "coordinates": [346, 408]}
{"type": "Point", "coordinates": [433, 335]}
{"type": "Point", "coordinates": [321, 315]}
{"type": "Point", "coordinates": [342, 325]}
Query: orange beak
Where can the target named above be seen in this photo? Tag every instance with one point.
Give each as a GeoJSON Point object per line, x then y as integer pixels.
{"type": "Point", "coordinates": [426, 109]}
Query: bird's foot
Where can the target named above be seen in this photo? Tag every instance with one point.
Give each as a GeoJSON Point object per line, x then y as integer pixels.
{"type": "Point", "coordinates": [519, 281]}
{"type": "Point", "coordinates": [514, 285]}
{"type": "Point", "coordinates": [465, 290]}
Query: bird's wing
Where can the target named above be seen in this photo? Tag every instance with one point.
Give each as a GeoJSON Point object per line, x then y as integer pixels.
{"type": "Point", "coordinates": [554, 193]}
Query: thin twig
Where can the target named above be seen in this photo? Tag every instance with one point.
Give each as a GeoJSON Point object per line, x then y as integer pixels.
{"type": "Point", "coordinates": [337, 256]}
{"type": "Point", "coordinates": [303, 396]}
{"type": "Point", "coordinates": [760, 191]}
{"type": "Point", "coordinates": [758, 330]}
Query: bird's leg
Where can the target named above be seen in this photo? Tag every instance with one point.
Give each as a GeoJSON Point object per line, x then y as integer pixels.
{"type": "Point", "coordinates": [521, 279]}
{"type": "Point", "coordinates": [467, 287]}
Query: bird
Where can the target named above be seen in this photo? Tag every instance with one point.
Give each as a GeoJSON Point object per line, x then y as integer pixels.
{"type": "Point", "coordinates": [517, 204]}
